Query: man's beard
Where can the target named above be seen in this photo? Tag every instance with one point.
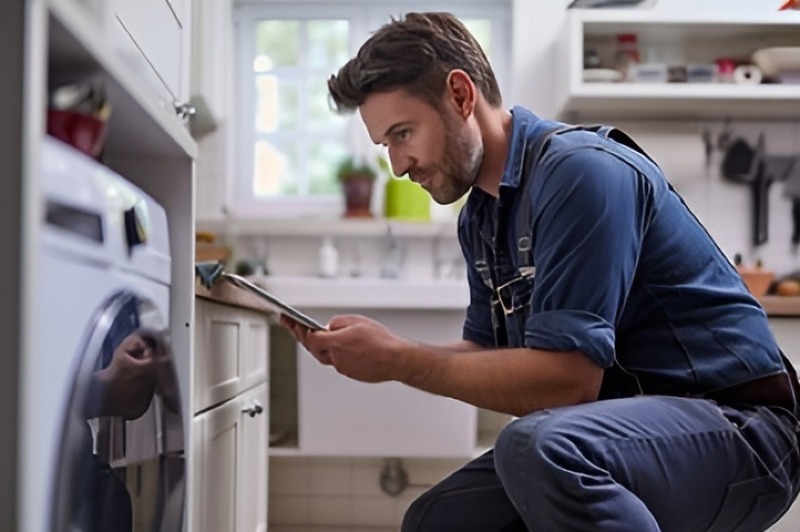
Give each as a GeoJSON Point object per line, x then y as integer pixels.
{"type": "Point", "coordinates": [461, 163]}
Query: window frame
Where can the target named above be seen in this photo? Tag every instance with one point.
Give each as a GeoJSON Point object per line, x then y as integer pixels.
{"type": "Point", "coordinates": [364, 17]}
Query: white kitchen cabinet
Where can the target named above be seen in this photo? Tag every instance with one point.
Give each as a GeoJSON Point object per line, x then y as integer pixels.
{"type": "Point", "coordinates": [153, 38]}
{"type": "Point", "coordinates": [215, 436]}
{"type": "Point", "coordinates": [695, 37]}
{"type": "Point", "coordinates": [230, 352]}
{"type": "Point", "coordinates": [230, 465]}
{"type": "Point", "coordinates": [231, 423]}
{"type": "Point", "coordinates": [45, 43]}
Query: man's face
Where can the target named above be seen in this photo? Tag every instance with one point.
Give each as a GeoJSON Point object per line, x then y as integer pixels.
{"type": "Point", "coordinates": [437, 149]}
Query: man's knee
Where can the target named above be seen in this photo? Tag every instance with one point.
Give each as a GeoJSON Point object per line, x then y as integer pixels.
{"type": "Point", "coordinates": [539, 442]}
{"type": "Point", "coordinates": [421, 515]}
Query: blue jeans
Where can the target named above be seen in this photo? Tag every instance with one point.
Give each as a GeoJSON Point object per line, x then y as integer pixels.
{"type": "Point", "coordinates": [638, 464]}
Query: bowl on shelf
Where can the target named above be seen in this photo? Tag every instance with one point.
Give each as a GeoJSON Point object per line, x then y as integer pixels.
{"type": "Point", "coordinates": [757, 280]}
{"type": "Point", "coordinates": [81, 131]}
{"type": "Point", "coordinates": [780, 63]}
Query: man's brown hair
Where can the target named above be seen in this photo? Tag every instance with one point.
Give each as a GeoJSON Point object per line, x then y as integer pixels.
{"type": "Point", "coordinates": [416, 53]}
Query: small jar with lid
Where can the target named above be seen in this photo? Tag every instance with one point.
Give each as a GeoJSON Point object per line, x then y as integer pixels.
{"type": "Point", "coordinates": [627, 55]}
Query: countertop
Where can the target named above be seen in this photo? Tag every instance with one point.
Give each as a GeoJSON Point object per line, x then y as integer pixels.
{"type": "Point", "coordinates": [227, 293]}
{"type": "Point", "coordinates": [779, 306]}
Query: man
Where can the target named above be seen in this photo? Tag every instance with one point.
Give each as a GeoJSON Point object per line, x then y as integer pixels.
{"type": "Point", "coordinates": [649, 390]}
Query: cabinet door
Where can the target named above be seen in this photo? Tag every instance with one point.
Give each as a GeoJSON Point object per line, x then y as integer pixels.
{"type": "Point", "coordinates": [251, 501]}
{"type": "Point", "coordinates": [255, 345]}
{"type": "Point", "coordinates": [218, 343]}
{"type": "Point", "coordinates": [230, 352]}
{"type": "Point", "coordinates": [152, 38]}
{"type": "Point", "coordinates": [217, 468]}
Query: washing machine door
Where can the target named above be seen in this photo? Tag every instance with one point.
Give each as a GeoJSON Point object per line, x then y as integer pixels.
{"type": "Point", "coordinates": [121, 464]}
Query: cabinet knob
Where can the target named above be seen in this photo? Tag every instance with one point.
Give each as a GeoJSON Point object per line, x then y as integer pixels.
{"type": "Point", "coordinates": [184, 110]}
{"type": "Point", "coordinates": [254, 409]}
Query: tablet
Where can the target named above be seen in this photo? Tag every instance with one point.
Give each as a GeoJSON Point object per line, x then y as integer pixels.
{"type": "Point", "coordinates": [282, 307]}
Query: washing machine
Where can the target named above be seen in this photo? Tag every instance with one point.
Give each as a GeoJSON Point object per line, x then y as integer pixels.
{"type": "Point", "coordinates": [104, 438]}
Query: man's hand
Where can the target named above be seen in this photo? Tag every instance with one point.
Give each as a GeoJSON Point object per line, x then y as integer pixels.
{"type": "Point", "coordinates": [358, 347]}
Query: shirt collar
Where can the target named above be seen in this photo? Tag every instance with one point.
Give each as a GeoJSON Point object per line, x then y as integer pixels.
{"type": "Point", "coordinates": [522, 122]}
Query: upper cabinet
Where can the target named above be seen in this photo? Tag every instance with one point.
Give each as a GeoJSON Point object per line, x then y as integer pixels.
{"type": "Point", "coordinates": [138, 51]}
{"type": "Point", "coordinates": [682, 65]}
{"type": "Point", "coordinates": [152, 38]}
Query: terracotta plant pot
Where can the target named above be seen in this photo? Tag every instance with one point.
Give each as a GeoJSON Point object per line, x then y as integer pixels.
{"type": "Point", "coordinates": [357, 196]}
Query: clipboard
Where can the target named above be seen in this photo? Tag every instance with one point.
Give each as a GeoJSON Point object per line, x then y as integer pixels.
{"type": "Point", "coordinates": [282, 307]}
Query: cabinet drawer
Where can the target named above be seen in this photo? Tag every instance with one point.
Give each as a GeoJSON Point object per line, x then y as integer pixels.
{"type": "Point", "coordinates": [230, 352]}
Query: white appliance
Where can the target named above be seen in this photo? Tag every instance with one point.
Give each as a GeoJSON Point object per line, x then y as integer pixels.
{"type": "Point", "coordinates": [104, 441]}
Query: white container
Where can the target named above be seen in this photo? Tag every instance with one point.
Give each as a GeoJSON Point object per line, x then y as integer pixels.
{"type": "Point", "coordinates": [328, 259]}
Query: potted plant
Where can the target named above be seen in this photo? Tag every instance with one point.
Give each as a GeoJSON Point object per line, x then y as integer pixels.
{"type": "Point", "coordinates": [357, 179]}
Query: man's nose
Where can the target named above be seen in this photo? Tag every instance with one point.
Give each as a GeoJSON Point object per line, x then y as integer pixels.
{"type": "Point", "coordinates": [400, 163]}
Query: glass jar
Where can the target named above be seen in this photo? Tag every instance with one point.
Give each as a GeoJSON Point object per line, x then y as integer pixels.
{"type": "Point", "coordinates": [627, 55]}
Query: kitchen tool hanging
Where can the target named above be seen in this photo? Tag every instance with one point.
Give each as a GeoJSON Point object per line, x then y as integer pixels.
{"type": "Point", "coordinates": [745, 164]}
{"type": "Point", "coordinates": [750, 165]}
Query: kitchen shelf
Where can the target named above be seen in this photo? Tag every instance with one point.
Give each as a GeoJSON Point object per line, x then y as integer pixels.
{"type": "Point", "coordinates": [699, 38]}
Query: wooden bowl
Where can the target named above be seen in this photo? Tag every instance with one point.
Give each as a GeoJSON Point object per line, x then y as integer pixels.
{"type": "Point", "coordinates": [757, 280]}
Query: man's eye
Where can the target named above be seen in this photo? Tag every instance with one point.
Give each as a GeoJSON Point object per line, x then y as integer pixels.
{"type": "Point", "coordinates": [403, 135]}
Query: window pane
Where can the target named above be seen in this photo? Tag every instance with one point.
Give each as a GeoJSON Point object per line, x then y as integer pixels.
{"type": "Point", "coordinates": [277, 105]}
{"type": "Point", "coordinates": [320, 115]}
{"type": "Point", "coordinates": [278, 41]}
{"type": "Point", "coordinates": [274, 170]}
{"type": "Point", "coordinates": [323, 158]}
{"type": "Point", "coordinates": [481, 29]}
{"type": "Point", "coordinates": [327, 43]}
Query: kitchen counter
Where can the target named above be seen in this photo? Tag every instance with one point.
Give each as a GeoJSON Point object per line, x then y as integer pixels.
{"type": "Point", "coordinates": [780, 306]}
{"type": "Point", "coordinates": [345, 292]}
{"type": "Point", "coordinates": [227, 293]}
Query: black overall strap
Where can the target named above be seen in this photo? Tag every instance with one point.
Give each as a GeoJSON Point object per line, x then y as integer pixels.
{"type": "Point", "coordinates": [532, 153]}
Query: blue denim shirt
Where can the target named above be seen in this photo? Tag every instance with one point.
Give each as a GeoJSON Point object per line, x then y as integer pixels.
{"type": "Point", "coordinates": [589, 248]}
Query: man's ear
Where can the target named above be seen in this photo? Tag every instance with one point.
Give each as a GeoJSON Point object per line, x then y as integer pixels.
{"type": "Point", "coordinates": [461, 92]}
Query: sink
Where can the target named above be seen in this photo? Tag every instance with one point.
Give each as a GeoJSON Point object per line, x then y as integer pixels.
{"type": "Point", "coordinates": [337, 416]}
{"type": "Point", "coordinates": [367, 292]}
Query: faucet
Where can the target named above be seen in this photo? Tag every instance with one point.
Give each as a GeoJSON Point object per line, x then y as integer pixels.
{"type": "Point", "coordinates": [392, 264]}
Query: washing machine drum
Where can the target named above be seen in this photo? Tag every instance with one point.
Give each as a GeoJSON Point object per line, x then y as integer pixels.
{"type": "Point", "coordinates": [121, 464]}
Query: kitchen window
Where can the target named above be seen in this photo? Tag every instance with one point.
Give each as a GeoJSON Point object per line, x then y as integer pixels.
{"type": "Point", "coordinates": [289, 140]}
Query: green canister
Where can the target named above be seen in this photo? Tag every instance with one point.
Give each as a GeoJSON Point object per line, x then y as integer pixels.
{"type": "Point", "coordinates": [406, 200]}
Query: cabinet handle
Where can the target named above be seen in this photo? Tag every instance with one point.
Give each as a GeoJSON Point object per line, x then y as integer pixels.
{"type": "Point", "coordinates": [254, 409]}
{"type": "Point", "coordinates": [185, 110]}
